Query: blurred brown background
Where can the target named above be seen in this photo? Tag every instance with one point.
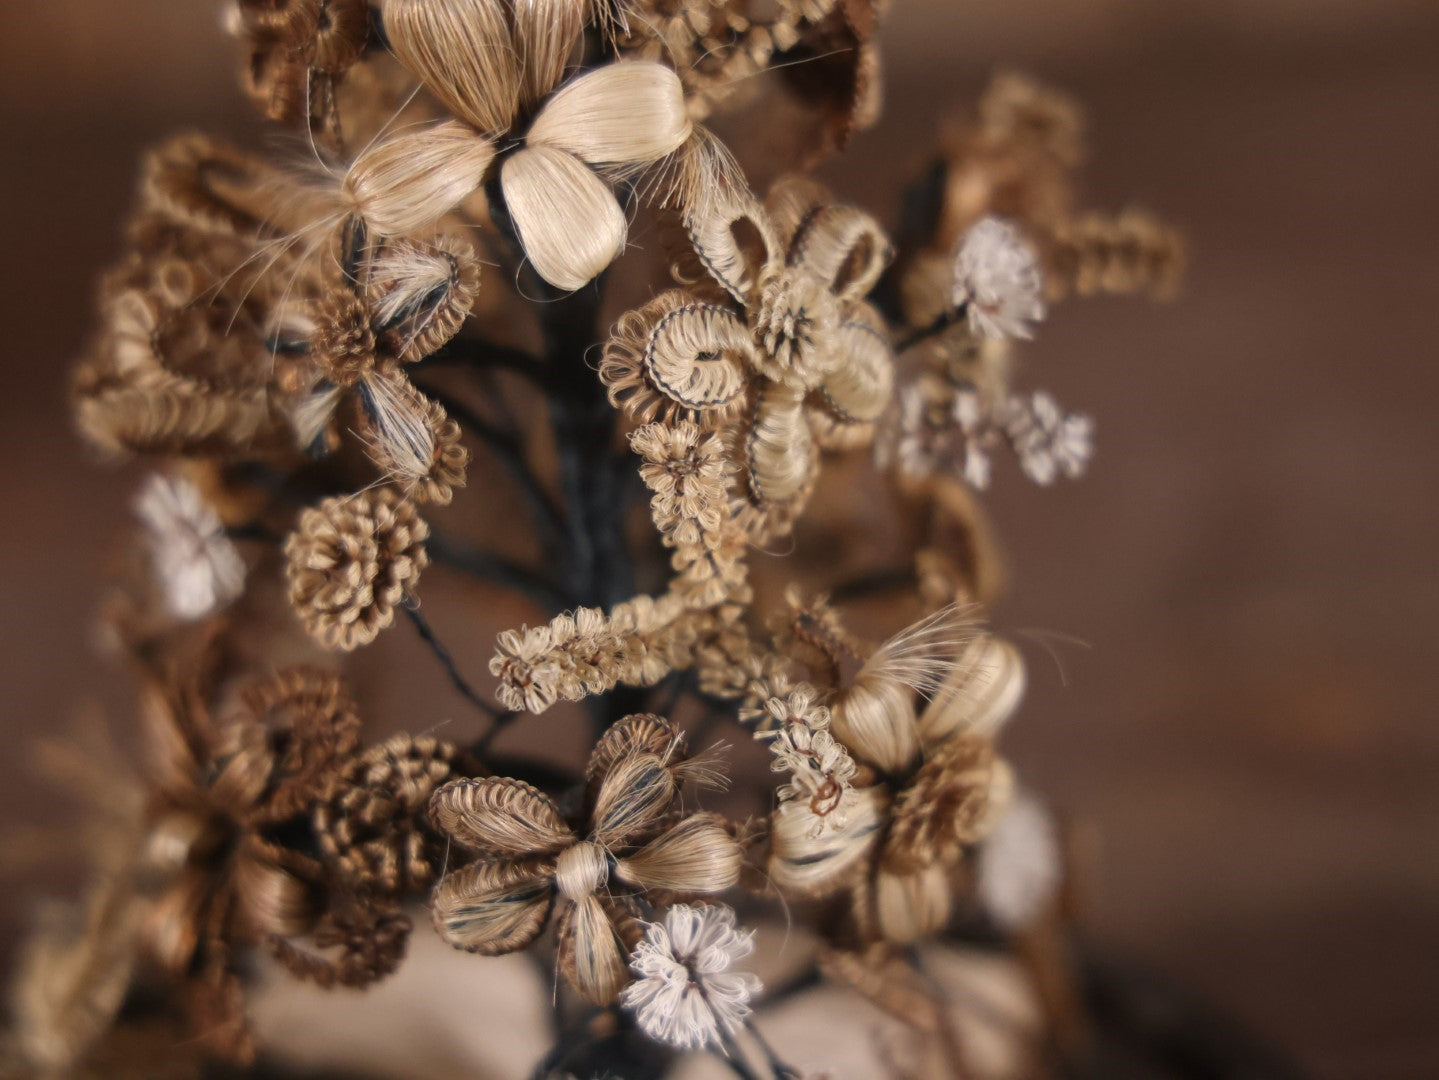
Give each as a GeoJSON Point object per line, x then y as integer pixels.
{"type": "Point", "coordinates": [1252, 561]}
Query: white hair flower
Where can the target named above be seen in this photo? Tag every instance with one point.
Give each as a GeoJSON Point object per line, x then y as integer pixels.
{"type": "Point", "coordinates": [997, 281]}
{"type": "Point", "coordinates": [976, 437]}
{"type": "Point", "coordinates": [1019, 863]}
{"type": "Point", "coordinates": [196, 566]}
{"type": "Point", "coordinates": [684, 992]}
{"type": "Point", "coordinates": [1049, 441]}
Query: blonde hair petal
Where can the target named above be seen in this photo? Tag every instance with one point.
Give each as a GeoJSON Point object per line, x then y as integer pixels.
{"type": "Point", "coordinates": [408, 181]}
{"type": "Point", "coordinates": [547, 35]}
{"type": "Point", "coordinates": [622, 116]}
{"type": "Point", "coordinates": [500, 817]}
{"type": "Point", "coordinates": [492, 908]}
{"type": "Point", "coordinates": [568, 221]}
{"type": "Point", "coordinates": [816, 862]}
{"type": "Point", "coordinates": [463, 52]}
{"type": "Point", "coordinates": [698, 855]}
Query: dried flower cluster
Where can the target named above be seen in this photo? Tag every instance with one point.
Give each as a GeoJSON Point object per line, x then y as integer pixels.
{"type": "Point", "coordinates": [345, 418]}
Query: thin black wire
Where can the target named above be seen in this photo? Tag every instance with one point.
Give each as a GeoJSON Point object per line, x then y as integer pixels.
{"type": "Point", "coordinates": [951, 317]}
{"type": "Point", "coordinates": [427, 635]}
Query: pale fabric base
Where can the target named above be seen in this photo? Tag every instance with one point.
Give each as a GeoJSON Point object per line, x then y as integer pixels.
{"type": "Point", "coordinates": [447, 1013]}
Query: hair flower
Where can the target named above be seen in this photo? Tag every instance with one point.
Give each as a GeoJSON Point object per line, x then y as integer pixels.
{"type": "Point", "coordinates": [530, 859]}
{"type": "Point", "coordinates": [775, 328]}
{"type": "Point", "coordinates": [498, 67]}
{"type": "Point", "coordinates": [684, 992]}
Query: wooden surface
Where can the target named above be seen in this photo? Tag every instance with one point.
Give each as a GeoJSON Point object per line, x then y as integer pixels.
{"type": "Point", "coordinates": [1250, 732]}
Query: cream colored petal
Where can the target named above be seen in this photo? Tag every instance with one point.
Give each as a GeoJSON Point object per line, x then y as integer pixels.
{"type": "Point", "coordinates": [625, 115]}
{"type": "Point", "coordinates": [547, 34]}
{"type": "Point", "coordinates": [407, 182]}
{"type": "Point", "coordinates": [984, 688]}
{"type": "Point", "coordinates": [698, 855]}
{"type": "Point", "coordinates": [806, 861]}
{"type": "Point", "coordinates": [861, 386]}
{"type": "Point", "coordinates": [568, 220]}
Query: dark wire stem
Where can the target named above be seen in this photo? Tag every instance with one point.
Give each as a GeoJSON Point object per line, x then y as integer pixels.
{"type": "Point", "coordinates": [567, 1041]}
{"type": "Point", "coordinates": [253, 530]}
{"type": "Point", "coordinates": [950, 317]}
{"type": "Point", "coordinates": [583, 425]}
{"type": "Point", "coordinates": [807, 979]}
{"type": "Point", "coordinates": [866, 585]}
{"type": "Point", "coordinates": [471, 353]}
{"type": "Point", "coordinates": [733, 1056]}
{"type": "Point", "coordinates": [495, 568]}
{"type": "Point", "coordinates": [680, 684]}
{"type": "Point", "coordinates": [549, 521]}
{"type": "Point", "coordinates": [776, 1064]}
{"type": "Point", "coordinates": [427, 635]}
{"type": "Point", "coordinates": [502, 723]}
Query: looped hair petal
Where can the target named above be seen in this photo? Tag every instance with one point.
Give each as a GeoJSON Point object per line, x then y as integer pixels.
{"type": "Point", "coordinates": [859, 389]}
{"type": "Point", "coordinates": [493, 908]}
{"type": "Point", "coordinates": [642, 733]}
{"type": "Point", "coordinates": [840, 245]}
{"type": "Point", "coordinates": [500, 817]}
{"type": "Point", "coordinates": [675, 357]}
{"type": "Point", "coordinates": [421, 293]}
{"type": "Point", "coordinates": [779, 448]}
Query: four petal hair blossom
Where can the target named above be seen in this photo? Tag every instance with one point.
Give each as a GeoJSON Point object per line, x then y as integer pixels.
{"type": "Point", "coordinates": [195, 564]}
{"type": "Point", "coordinates": [684, 992]}
{"type": "Point", "coordinates": [926, 437]}
{"type": "Point", "coordinates": [1049, 441]}
{"type": "Point", "coordinates": [997, 281]}
{"type": "Point", "coordinates": [498, 68]}
{"type": "Point", "coordinates": [774, 328]}
{"type": "Point", "coordinates": [402, 301]}
{"type": "Point", "coordinates": [529, 857]}
{"type": "Point", "coordinates": [225, 796]}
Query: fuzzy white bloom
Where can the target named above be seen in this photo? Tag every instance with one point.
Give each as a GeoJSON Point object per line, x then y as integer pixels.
{"type": "Point", "coordinates": [196, 566]}
{"type": "Point", "coordinates": [1019, 863]}
{"type": "Point", "coordinates": [684, 992]}
{"type": "Point", "coordinates": [1049, 441]}
{"type": "Point", "coordinates": [997, 281]}
{"type": "Point", "coordinates": [976, 431]}
{"type": "Point", "coordinates": [908, 442]}
{"type": "Point", "coordinates": [821, 770]}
